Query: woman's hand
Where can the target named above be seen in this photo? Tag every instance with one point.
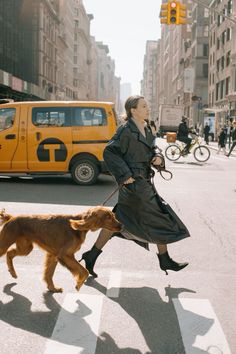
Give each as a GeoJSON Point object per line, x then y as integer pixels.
{"type": "Point", "coordinates": [129, 180]}
{"type": "Point", "coordinates": [158, 161]}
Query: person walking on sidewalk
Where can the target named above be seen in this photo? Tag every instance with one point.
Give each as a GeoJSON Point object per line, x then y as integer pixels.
{"type": "Point", "coordinates": [206, 133]}
{"type": "Point", "coordinates": [145, 216]}
{"type": "Point", "coordinates": [222, 141]}
{"type": "Point", "coordinates": [233, 134]}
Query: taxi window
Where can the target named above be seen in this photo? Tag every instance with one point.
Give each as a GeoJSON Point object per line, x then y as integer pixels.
{"type": "Point", "coordinates": [7, 116]}
{"type": "Point", "coordinates": [52, 116]}
{"type": "Point", "coordinates": [87, 116]}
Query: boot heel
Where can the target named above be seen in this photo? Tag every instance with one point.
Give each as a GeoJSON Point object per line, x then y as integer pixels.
{"type": "Point", "coordinates": [168, 263]}
{"type": "Point", "coordinates": [90, 258]}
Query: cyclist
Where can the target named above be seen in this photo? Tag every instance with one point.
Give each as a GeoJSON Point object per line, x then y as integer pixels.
{"type": "Point", "coordinates": [182, 134]}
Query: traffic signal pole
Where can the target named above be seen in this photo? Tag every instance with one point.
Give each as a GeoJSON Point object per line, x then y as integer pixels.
{"type": "Point", "coordinates": [199, 2]}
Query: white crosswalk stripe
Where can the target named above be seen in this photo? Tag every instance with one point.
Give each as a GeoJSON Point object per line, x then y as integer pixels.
{"type": "Point", "coordinates": [77, 327]}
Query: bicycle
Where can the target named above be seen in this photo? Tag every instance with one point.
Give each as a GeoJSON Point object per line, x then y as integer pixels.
{"type": "Point", "coordinates": [201, 153]}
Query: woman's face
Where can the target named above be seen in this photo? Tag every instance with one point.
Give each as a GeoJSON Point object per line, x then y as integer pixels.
{"type": "Point", "coordinates": [141, 112]}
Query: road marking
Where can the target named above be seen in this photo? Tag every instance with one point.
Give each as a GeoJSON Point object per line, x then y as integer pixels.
{"type": "Point", "coordinates": [200, 327]}
{"type": "Point", "coordinates": [76, 330]}
{"type": "Point", "coordinates": [113, 288]}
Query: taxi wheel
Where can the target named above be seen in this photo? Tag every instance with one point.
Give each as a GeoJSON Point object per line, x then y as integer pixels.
{"type": "Point", "coordinates": [84, 171]}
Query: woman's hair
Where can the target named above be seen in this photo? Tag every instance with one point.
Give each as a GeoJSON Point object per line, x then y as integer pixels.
{"type": "Point", "coordinates": [131, 102]}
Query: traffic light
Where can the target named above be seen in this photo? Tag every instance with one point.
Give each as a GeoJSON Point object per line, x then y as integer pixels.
{"type": "Point", "coordinates": [173, 12]}
{"type": "Point", "coordinates": [164, 13]}
{"type": "Point", "coordinates": [182, 14]}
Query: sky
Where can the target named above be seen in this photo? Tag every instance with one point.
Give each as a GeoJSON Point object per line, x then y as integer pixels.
{"type": "Point", "coordinates": [125, 26]}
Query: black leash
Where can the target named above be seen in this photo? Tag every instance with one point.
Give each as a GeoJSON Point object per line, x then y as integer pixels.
{"type": "Point", "coordinates": [111, 195]}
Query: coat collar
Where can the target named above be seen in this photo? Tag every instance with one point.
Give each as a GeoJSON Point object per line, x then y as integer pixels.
{"type": "Point", "coordinates": [133, 127]}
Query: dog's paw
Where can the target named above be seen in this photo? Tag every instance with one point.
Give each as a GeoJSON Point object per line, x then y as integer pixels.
{"type": "Point", "coordinates": [55, 290]}
{"type": "Point", "coordinates": [13, 273]}
{"type": "Point", "coordinates": [78, 286]}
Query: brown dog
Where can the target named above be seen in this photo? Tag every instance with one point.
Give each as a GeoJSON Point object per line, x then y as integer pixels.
{"type": "Point", "coordinates": [59, 235]}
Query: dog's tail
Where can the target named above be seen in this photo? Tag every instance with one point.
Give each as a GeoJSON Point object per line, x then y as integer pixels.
{"type": "Point", "coordinates": [4, 217]}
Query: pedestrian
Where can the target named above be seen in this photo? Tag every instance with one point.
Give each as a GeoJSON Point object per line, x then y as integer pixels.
{"type": "Point", "coordinates": [222, 141]}
{"type": "Point", "coordinates": [145, 216]}
{"type": "Point", "coordinates": [206, 133]}
{"type": "Point", "coordinates": [152, 126]}
{"type": "Point", "coordinates": [182, 134]}
{"type": "Point", "coordinates": [229, 131]}
{"type": "Point", "coordinates": [233, 134]}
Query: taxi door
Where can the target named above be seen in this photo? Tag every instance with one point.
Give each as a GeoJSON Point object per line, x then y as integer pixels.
{"type": "Point", "coordinates": [9, 136]}
{"type": "Point", "coordinates": [90, 130]}
{"type": "Point", "coordinates": [49, 138]}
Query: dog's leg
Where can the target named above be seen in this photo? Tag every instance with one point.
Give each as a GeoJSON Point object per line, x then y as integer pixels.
{"type": "Point", "coordinates": [23, 248]}
{"type": "Point", "coordinates": [79, 272]}
{"type": "Point", "coordinates": [49, 268]}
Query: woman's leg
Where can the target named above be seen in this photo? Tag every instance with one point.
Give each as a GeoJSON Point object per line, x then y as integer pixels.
{"type": "Point", "coordinates": [161, 248]}
{"type": "Point", "coordinates": [91, 256]}
{"type": "Point", "coordinates": [231, 149]}
{"type": "Point", "coordinates": [103, 237]}
{"type": "Point", "coordinates": [166, 262]}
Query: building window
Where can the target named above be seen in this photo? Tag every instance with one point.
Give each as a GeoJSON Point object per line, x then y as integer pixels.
{"type": "Point", "coordinates": [222, 89]}
{"type": "Point", "coordinates": [218, 43]}
{"type": "Point", "coordinates": [223, 37]}
{"type": "Point", "coordinates": [229, 31]}
{"type": "Point", "coordinates": [205, 70]}
{"type": "Point", "coordinates": [205, 50]}
{"type": "Point", "coordinates": [228, 58]}
{"type": "Point", "coordinates": [222, 63]}
{"type": "Point", "coordinates": [217, 91]}
{"type": "Point", "coordinates": [229, 7]}
{"type": "Point", "coordinates": [227, 82]}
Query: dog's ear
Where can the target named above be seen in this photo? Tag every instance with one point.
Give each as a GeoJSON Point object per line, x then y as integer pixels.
{"type": "Point", "coordinates": [77, 224]}
{"type": "Point", "coordinates": [88, 222]}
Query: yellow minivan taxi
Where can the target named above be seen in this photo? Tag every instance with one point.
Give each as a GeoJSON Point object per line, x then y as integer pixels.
{"type": "Point", "coordinates": [56, 137]}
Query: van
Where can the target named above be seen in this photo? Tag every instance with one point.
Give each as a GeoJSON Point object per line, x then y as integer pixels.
{"type": "Point", "coordinates": [56, 137]}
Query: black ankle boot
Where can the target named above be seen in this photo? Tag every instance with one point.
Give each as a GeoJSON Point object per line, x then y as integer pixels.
{"type": "Point", "coordinates": [90, 258]}
{"type": "Point", "coordinates": [167, 263]}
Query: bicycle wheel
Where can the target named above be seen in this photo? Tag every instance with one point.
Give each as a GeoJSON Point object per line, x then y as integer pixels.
{"type": "Point", "coordinates": [173, 152]}
{"type": "Point", "coordinates": [202, 153]}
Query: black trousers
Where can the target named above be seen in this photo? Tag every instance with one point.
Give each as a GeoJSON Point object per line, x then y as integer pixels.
{"type": "Point", "coordinates": [232, 147]}
{"type": "Point", "coordinates": [186, 140]}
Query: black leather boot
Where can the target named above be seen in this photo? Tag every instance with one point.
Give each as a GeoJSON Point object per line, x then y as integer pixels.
{"type": "Point", "coordinates": [167, 263]}
{"type": "Point", "coordinates": [90, 258]}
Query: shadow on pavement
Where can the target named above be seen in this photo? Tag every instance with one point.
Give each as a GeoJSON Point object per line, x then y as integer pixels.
{"type": "Point", "coordinates": [156, 319]}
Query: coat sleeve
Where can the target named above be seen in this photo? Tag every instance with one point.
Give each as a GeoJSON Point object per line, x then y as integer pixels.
{"type": "Point", "coordinates": [113, 156]}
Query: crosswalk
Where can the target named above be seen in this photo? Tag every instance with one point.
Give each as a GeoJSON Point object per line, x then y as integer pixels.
{"type": "Point", "coordinates": [78, 325]}
{"type": "Point", "coordinates": [125, 312]}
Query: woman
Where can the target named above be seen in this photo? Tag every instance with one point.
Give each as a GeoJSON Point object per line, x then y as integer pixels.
{"type": "Point", "coordinates": [233, 138]}
{"type": "Point", "coordinates": [146, 218]}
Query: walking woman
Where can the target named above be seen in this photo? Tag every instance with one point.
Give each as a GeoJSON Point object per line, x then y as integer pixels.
{"type": "Point", "coordinates": [145, 216]}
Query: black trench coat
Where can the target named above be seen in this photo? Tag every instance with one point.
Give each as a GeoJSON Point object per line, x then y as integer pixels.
{"type": "Point", "coordinates": [146, 217]}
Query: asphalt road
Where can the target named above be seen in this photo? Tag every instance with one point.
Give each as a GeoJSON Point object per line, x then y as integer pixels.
{"type": "Point", "coordinates": [132, 307]}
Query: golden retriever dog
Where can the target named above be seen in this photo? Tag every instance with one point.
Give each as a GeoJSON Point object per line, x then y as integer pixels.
{"type": "Point", "coordinates": [60, 236]}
